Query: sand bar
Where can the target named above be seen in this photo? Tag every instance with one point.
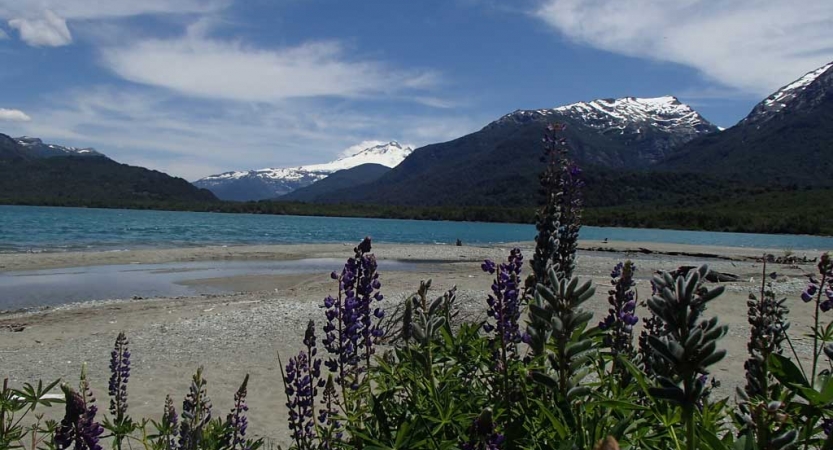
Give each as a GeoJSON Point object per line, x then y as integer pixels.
{"type": "Point", "coordinates": [242, 332]}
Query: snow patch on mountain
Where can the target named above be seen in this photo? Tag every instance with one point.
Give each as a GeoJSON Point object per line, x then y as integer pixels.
{"type": "Point", "coordinates": [281, 181]}
{"type": "Point", "coordinates": [782, 97]}
{"type": "Point", "coordinates": [786, 96]}
{"type": "Point", "coordinates": [41, 150]}
{"type": "Point", "coordinates": [388, 154]}
{"type": "Point", "coordinates": [628, 114]}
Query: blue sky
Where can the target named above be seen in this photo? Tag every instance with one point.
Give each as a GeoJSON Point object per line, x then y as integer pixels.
{"type": "Point", "coordinates": [195, 87]}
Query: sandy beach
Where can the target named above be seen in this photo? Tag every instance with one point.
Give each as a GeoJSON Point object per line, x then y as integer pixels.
{"type": "Point", "coordinates": [242, 331]}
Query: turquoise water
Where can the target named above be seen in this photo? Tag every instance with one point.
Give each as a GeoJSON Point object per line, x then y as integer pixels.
{"type": "Point", "coordinates": [30, 228]}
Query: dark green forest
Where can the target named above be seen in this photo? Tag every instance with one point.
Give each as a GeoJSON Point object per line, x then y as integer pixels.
{"type": "Point", "coordinates": [790, 211]}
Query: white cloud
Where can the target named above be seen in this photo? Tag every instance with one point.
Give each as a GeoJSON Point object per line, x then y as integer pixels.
{"type": "Point", "coordinates": [102, 9]}
{"type": "Point", "coordinates": [14, 115]}
{"type": "Point", "coordinates": [199, 66]}
{"type": "Point", "coordinates": [196, 138]}
{"type": "Point", "coordinates": [49, 30]}
{"type": "Point", "coordinates": [43, 23]}
{"type": "Point", "coordinates": [752, 45]}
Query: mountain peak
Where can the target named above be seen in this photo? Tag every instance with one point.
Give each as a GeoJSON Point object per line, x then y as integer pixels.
{"type": "Point", "coordinates": [626, 114]}
{"type": "Point", "coordinates": [794, 95]}
{"type": "Point", "coordinates": [279, 181]}
{"type": "Point", "coordinates": [39, 149]}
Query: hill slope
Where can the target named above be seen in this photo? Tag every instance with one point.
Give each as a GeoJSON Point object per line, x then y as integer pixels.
{"type": "Point", "coordinates": [336, 183]}
{"type": "Point", "coordinates": [787, 139]}
{"type": "Point", "coordinates": [499, 165]}
{"type": "Point", "coordinates": [33, 176]}
{"type": "Point", "coordinates": [274, 182]}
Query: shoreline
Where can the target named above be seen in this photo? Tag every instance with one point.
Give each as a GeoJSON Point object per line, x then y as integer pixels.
{"type": "Point", "coordinates": [405, 252]}
{"type": "Point", "coordinates": [239, 333]}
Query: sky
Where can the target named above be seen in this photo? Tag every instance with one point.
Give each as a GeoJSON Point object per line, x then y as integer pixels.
{"type": "Point", "coordinates": [198, 87]}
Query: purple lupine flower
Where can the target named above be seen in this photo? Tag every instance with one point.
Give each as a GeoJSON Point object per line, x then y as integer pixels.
{"type": "Point", "coordinates": [196, 413]}
{"type": "Point", "coordinates": [809, 292]}
{"type": "Point", "coordinates": [482, 434]}
{"type": "Point", "coordinates": [119, 376]}
{"type": "Point", "coordinates": [78, 428]}
{"type": "Point", "coordinates": [352, 327]}
{"type": "Point", "coordinates": [328, 416]}
{"type": "Point", "coordinates": [488, 266]}
{"type": "Point", "coordinates": [505, 300]}
{"type": "Point", "coordinates": [827, 426]}
{"type": "Point", "coordinates": [237, 418]}
{"type": "Point", "coordinates": [621, 317]}
{"type": "Point", "coordinates": [301, 398]}
{"type": "Point", "coordinates": [169, 425]}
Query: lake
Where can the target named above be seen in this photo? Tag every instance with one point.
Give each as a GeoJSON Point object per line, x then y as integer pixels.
{"type": "Point", "coordinates": [32, 228]}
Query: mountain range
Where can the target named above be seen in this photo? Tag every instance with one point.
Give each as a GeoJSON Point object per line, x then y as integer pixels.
{"type": "Point", "coordinates": [787, 139]}
{"type": "Point", "coordinates": [646, 154]}
{"type": "Point", "coordinates": [32, 172]}
{"type": "Point", "coordinates": [270, 183]}
{"type": "Point", "coordinates": [633, 150]}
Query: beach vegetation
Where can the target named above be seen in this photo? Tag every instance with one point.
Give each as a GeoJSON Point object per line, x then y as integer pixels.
{"type": "Point", "coordinates": [536, 372]}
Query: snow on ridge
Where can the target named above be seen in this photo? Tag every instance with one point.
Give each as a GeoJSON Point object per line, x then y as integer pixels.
{"type": "Point", "coordinates": [781, 97]}
{"type": "Point", "coordinates": [666, 113]}
{"type": "Point", "coordinates": [28, 141]}
{"type": "Point", "coordinates": [388, 154]}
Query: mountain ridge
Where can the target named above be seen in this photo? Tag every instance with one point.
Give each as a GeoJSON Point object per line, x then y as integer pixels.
{"type": "Point", "coordinates": [269, 183]}
{"type": "Point", "coordinates": [33, 172]}
{"type": "Point", "coordinates": [787, 139]}
{"type": "Point", "coordinates": [499, 164]}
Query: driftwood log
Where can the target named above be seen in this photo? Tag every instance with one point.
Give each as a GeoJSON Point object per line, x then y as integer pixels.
{"type": "Point", "coordinates": [713, 276]}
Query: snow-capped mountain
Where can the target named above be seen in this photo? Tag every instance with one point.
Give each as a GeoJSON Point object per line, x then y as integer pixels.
{"type": "Point", "coordinates": [628, 114]}
{"type": "Point", "coordinates": [785, 140]}
{"type": "Point", "coordinates": [274, 182]}
{"type": "Point", "coordinates": [804, 92]}
{"type": "Point", "coordinates": [38, 149]}
{"type": "Point", "coordinates": [651, 127]}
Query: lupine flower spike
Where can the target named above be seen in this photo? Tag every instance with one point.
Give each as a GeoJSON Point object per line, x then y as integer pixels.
{"type": "Point", "coordinates": [119, 376]}
{"type": "Point", "coordinates": [621, 316]}
{"type": "Point", "coordinates": [78, 429]}
{"type": "Point", "coordinates": [352, 327]}
{"type": "Point", "coordinates": [196, 413]}
{"type": "Point", "coordinates": [237, 420]}
{"type": "Point", "coordinates": [483, 435]}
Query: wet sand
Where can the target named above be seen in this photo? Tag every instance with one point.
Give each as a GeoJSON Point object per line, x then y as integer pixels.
{"type": "Point", "coordinates": [242, 332]}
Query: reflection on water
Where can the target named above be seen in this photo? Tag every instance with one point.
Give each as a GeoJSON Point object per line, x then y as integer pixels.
{"type": "Point", "coordinates": [23, 289]}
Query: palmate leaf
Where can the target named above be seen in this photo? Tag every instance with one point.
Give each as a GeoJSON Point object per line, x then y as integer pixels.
{"type": "Point", "coordinates": [786, 371]}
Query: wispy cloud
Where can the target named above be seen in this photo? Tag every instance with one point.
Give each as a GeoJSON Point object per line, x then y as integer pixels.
{"type": "Point", "coordinates": [14, 115]}
{"type": "Point", "coordinates": [3, 34]}
{"type": "Point", "coordinates": [49, 30]}
{"type": "Point", "coordinates": [752, 45]}
{"type": "Point", "coordinates": [43, 23]}
{"type": "Point", "coordinates": [196, 138]}
{"type": "Point", "coordinates": [86, 9]}
{"type": "Point", "coordinates": [199, 66]}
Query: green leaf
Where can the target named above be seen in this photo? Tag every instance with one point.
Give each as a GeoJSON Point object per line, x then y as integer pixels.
{"type": "Point", "coordinates": [786, 371]}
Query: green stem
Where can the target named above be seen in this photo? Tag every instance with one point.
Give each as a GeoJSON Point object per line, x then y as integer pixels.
{"type": "Point", "coordinates": [4, 393]}
{"type": "Point", "coordinates": [816, 331]}
{"type": "Point", "coordinates": [688, 414]}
